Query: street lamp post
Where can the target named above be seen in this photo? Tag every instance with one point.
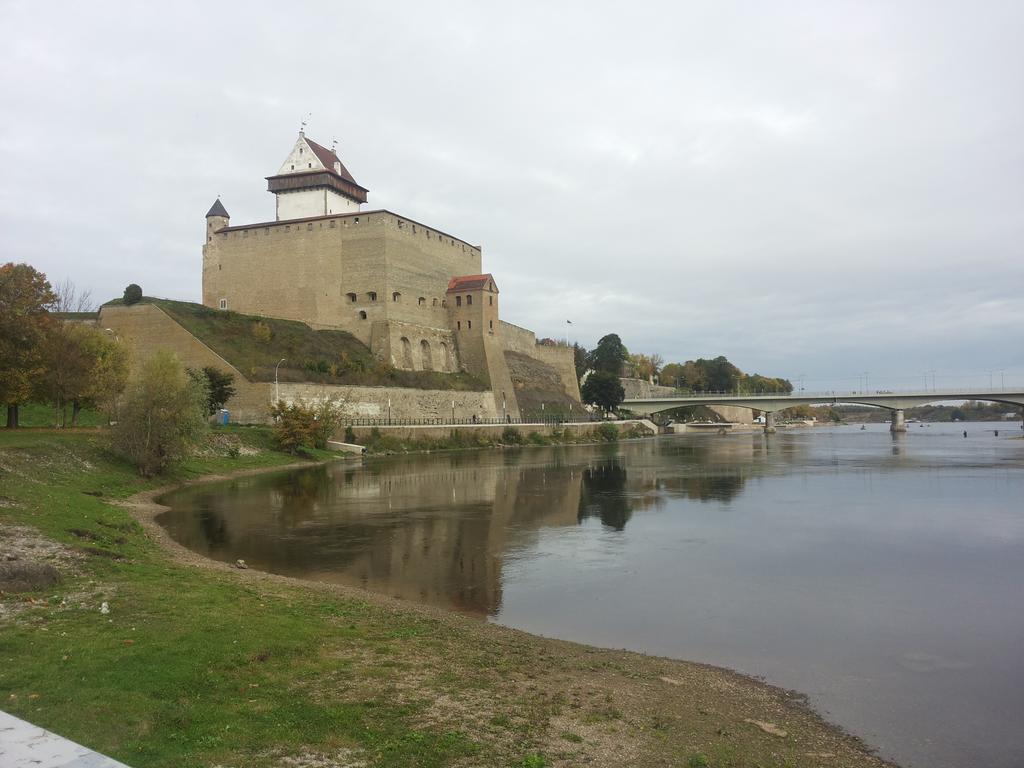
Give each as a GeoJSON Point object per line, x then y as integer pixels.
{"type": "Point", "coordinates": [277, 386]}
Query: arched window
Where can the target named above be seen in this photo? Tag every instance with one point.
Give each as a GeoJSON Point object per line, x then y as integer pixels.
{"type": "Point", "coordinates": [458, 301]}
{"type": "Point", "coordinates": [469, 300]}
{"type": "Point", "coordinates": [490, 301]}
{"type": "Point", "coordinates": [421, 300]}
{"type": "Point", "coordinates": [362, 315]}
{"type": "Point", "coordinates": [351, 297]}
{"type": "Point", "coordinates": [406, 354]}
{"type": "Point", "coordinates": [433, 302]}
{"type": "Point", "coordinates": [425, 355]}
{"type": "Point", "coordinates": [396, 296]}
{"type": "Point", "coordinates": [371, 295]}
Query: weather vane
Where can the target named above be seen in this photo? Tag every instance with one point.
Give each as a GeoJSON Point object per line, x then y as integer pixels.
{"type": "Point", "coordinates": [305, 120]}
{"type": "Point", "coordinates": [334, 145]}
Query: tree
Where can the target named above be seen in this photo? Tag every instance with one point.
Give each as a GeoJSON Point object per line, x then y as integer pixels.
{"type": "Point", "coordinates": [219, 385]}
{"type": "Point", "coordinates": [82, 365]}
{"type": "Point", "coordinates": [603, 389]}
{"type": "Point", "coordinates": [70, 299]}
{"type": "Point", "coordinates": [132, 295]}
{"type": "Point", "coordinates": [25, 298]}
{"type": "Point", "coordinates": [609, 355]}
{"type": "Point", "coordinates": [163, 416]}
{"type": "Point", "coordinates": [672, 375]}
{"type": "Point", "coordinates": [646, 366]}
{"type": "Point", "coordinates": [579, 359]}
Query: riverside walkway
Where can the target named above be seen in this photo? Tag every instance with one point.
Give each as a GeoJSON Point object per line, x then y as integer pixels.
{"type": "Point", "coordinates": [771, 402]}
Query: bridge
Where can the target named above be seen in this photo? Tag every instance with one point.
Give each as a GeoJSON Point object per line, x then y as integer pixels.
{"type": "Point", "coordinates": [771, 402]}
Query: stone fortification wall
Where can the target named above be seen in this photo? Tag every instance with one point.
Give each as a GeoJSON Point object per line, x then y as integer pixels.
{"type": "Point", "coordinates": [372, 402]}
{"type": "Point", "coordinates": [643, 388]}
{"type": "Point", "coordinates": [345, 271]}
{"type": "Point", "coordinates": [523, 341]}
{"type": "Point", "coordinates": [146, 328]}
{"type": "Point", "coordinates": [415, 347]}
{"type": "Point", "coordinates": [584, 429]}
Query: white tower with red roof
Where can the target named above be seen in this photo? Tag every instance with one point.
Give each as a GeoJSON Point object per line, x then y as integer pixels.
{"type": "Point", "coordinates": [312, 181]}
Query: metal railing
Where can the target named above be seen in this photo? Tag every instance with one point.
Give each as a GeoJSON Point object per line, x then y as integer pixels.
{"type": "Point", "coordinates": [953, 393]}
{"type": "Point", "coordinates": [470, 422]}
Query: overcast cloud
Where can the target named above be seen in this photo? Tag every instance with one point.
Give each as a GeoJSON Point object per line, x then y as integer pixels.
{"type": "Point", "coordinates": [806, 187]}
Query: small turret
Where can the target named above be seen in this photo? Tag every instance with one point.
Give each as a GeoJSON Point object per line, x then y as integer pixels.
{"type": "Point", "coordinates": [216, 218]}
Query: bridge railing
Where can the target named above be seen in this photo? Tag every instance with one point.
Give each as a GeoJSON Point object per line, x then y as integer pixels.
{"type": "Point", "coordinates": [960, 393]}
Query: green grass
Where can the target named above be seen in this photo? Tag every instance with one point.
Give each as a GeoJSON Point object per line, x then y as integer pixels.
{"type": "Point", "coordinates": [40, 415]}
{"type": "Point", "coordinates": [254, 345]}
{"type": "Point", "coordinates": [189, 668]}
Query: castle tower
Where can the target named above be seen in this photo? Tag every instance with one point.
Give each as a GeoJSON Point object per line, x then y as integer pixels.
{"type": "Point", "coordinates": [472, 302]}
{"type": "Point", "coordinates": [216, 218]}
{"type": "Point", "coordinates": [312, 181]}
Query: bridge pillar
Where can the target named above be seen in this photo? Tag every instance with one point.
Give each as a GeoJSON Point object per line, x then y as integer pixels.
{"type": "Point", "coordinates": [899, 421]}
{"type": "Point", "coordinates": [769, 422]}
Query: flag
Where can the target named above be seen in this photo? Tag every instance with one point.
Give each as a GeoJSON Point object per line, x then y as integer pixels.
{"type": "Point", "coordinates": [569, 322]}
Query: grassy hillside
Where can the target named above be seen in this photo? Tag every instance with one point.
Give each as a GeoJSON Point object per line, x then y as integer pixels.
{"type": "Point", "coordinates": [254, 345]}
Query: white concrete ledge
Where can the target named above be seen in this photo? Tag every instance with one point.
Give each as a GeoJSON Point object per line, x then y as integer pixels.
{"type": "Point", "coordinates": [23, 745]}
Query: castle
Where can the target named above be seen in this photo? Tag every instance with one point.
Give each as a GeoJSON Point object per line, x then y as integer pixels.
{"type": "Point", "coordinates": [415, 295]}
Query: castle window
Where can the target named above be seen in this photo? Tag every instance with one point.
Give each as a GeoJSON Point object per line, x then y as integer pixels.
{"type": "Point", "coordinates": [356, 219]}
{"type": "Point", "coordinates": [490, 325]}
{"type": "Point", "coordinates": [396, 296]}
{"type": "Point", "coordinates": [310, 165]}
{"type": "Point", "coordinates": [332, 224]}
{"type": "Point", "coordinates": [469, 324]}
{"type": "Point", "coordinates": [469, 301]}
{"type": "Point", "coordinates": [300, 150]}
{"type": "Point", "coordinates": [288, 228]}
{"type": "Point", "coordinates": [444, 303]}
{"type": "Point", "coordinates": [223, 303]}
{"type": "Point", "coordinates": [309, 227]}
{"type": "Point", "coordinates": [362, 315]}
{"type": "Point", "coordinates": [351, 297]}
{"type": "Point", "coordinates": [371, 295]}
{"type": "Point", "coordinates": [458, 325]}
{"type": "Point", "coordinates": [433, 302]}
{"type": "Point", "coordinates": [458, 301]}
{"type": "Point", "coordinates": [490, 301]}
{"type": "Point", "coordinates": [421, 301]}
{"type": "Point", "coordinates": [293, 167]}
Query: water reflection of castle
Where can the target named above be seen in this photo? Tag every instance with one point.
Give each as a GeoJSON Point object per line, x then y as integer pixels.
{"type": "Point", "coordinates": [438, 530]}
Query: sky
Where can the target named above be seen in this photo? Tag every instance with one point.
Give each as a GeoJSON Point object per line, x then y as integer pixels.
{"type": "Point", "coordinates": [825, 191]}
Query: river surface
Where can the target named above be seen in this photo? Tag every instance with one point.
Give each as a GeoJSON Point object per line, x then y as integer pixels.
{"type": "Point", "coordinates": [881, 575]}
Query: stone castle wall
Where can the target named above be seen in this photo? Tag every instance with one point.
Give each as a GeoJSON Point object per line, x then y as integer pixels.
{"type": "Point", "coordinates": [517, 339]}
{"type": "Point", "coordinates": [310, 270]}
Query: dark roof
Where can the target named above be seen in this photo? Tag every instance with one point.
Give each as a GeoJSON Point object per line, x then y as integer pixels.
{"type": "Point", "coordinates": [329, 158]}
{"type": "Point", "coordinates": [217, 209]}
{"type": "Point", "coordinates": [471, 282]}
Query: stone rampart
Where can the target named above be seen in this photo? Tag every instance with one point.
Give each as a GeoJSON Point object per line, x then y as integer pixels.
{"type": "Point", "coordinates": [146, 328]}
{"type": "Point", "coordinates": [494, 430]}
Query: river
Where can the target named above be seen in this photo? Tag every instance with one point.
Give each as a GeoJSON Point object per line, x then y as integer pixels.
{"type": "Point", "coordinates": [881, 575]}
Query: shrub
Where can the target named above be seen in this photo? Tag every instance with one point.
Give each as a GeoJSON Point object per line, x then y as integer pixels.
{"type": "Point", "coordinates": [163, 417]}
{"type": "Point", "coordinates": [350, 434]}
{"type": "Point", "coordinates": [536, 438]}
{"type": "Point", "coordinates": [298, 425]}
{"type": "Point", "coordinates": [511, 436]}
{"type": "Point", "coordinates": [608, 432]}
{"type": "Point", "coordinates": [132, 295]}
{"type": "Point", "coordinates": [261, 332]}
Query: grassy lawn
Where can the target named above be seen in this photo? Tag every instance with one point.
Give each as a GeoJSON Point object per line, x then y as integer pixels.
{"type": "Point", "coordinates": [204, 666]}
{"type": "Point", "coordinates": [40, 415]}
